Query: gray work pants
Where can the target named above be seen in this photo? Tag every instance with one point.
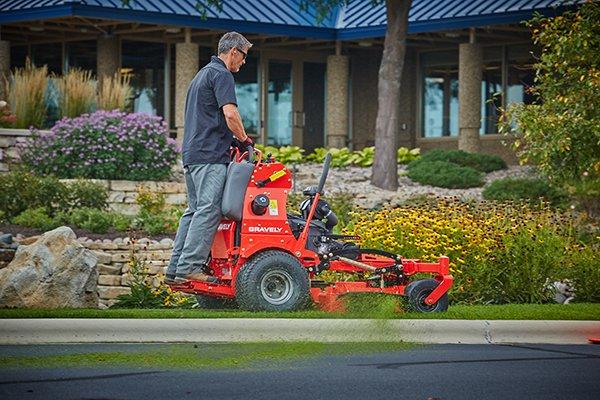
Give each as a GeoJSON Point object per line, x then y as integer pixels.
{"type": "Point", "coordinates": [199, 222]}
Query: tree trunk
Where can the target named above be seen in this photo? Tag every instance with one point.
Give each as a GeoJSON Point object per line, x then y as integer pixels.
{"type": "Point", "coordinates": [385, 167]}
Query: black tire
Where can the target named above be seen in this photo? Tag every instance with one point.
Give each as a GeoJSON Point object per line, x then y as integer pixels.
{"type": "Point", "coordinates": [418, 291]}
{"type": "Point", "coordinates": [272, 281]}
{"type": "Point", "coordinates": [214, 303]}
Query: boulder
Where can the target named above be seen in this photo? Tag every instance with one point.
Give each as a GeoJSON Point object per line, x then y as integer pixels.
{"type": "Point", "coordinates": [53, 272]}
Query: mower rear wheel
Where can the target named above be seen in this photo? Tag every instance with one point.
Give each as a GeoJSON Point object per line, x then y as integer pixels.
{"type": "Point", "coordinates": [213, 303]}
{"type": "Point", "coordinates": [418, 291]}
{"type": "Point", "coordinates": [272, 281]}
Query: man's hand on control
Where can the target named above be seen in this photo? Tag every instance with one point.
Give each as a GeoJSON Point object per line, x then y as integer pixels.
{"type": "Point", "coordinates": [248, 142]}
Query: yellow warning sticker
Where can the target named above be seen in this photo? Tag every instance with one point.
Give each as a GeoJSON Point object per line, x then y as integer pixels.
{"type": "Point", "coordinates": [273, 207]}
{"type": "Point", "coordinates": [277, 175]}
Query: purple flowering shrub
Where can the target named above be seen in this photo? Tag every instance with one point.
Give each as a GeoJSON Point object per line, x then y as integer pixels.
{"type": "Point", "coordinates": [103, 145]}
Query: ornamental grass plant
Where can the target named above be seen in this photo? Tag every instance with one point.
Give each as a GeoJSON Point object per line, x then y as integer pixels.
{"type": "Point", "coordinates": [76, 93]}
{"type": "Point", "coordinates": [103, 145]}
{"type": "Point", "coordinates": [499, 253]}
{"type": "Point", "coordinates": [26, 95]}
{"type": "Point", "coordinates": [114, 92]}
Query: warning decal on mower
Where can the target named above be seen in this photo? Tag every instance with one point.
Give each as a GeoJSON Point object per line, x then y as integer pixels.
{"type": "Point", "coordinates": [273, 207]}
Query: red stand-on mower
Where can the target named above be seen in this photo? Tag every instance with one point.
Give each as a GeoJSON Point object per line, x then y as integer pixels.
{"type": "Point", "coordinates": [269, 259]}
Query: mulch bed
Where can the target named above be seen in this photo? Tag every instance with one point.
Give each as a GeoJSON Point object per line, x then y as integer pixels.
{"type": "Point", "coordinates": [111, 234]}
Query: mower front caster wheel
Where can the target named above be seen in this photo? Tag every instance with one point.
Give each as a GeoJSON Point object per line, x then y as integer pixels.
{"type": "Point", "coordinates": [272, 281]}
{"type": "Point", "coordinates": [418, 291]}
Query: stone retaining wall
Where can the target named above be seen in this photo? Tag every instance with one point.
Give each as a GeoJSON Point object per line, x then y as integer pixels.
{"type": "Point", "coordinates": [122, 194]}
{"type": "Point", "coordinates": [8, 141]}
{"type": "Point", "coordinates": [113, 266]}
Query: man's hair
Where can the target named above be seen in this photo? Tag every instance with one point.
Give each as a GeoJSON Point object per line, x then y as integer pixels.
{"type": "Point", "coordinates": [232, 40]}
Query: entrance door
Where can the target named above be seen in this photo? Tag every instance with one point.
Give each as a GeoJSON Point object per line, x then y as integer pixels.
{"type": "Point", "coordinates": [314, 105]}
{"type": "Point", "coordinates": [279, 107]}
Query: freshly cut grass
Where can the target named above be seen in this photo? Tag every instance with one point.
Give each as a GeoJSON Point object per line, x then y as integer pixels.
{"type": "Point", "coordinates": [365, 306]}
{"type": "Point", "coordinates": [201, 355]}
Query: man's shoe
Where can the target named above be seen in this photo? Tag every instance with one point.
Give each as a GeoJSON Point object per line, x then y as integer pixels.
{"type": "Point", "coordinates": [196, 276]}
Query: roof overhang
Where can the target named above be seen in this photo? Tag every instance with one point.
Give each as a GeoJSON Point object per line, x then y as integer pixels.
{"type": "Point", "coordinates": [42, 13]}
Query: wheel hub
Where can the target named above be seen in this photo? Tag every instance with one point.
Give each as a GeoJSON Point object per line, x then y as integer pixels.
{"type": "Point", "coordinates": [276, 287]}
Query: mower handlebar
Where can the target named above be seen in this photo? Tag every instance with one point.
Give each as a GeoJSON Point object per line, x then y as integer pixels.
{"type": "Point", "coordinates": [324, 174]}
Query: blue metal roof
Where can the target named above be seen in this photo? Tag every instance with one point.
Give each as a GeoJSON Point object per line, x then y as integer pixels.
{"type": "Point", "coordinates": [359, 19]}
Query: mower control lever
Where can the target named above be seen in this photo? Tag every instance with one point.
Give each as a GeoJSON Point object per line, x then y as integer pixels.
{"type": "Point", "coordinates": [324, 174]}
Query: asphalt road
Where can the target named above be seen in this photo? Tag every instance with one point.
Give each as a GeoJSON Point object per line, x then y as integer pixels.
{"type": "Point", "coordinates": [427, 372]}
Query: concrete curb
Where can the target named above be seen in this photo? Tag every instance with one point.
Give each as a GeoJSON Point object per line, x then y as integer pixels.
{"type": "Point", "coordinates": [37, 331]}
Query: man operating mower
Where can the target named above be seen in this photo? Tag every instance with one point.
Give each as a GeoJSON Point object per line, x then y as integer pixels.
{"type": "Point", "coordinates": [211, 121]}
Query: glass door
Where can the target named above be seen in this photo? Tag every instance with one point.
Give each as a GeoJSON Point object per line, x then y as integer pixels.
{"type": "Point", "coordinates": [246, 90]}
{"type": "Point", "coordinates": [279, 103]}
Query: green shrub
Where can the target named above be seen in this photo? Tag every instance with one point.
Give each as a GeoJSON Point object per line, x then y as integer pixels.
{"type": "Point", "coordinates": [364, 157]}
{"type": "Point", "coordinates": [290, 155]}
{"type": "Point", "coordinates": [3, 218]}
{"type": "Point", "coordinates": [82, 193]}
{"type": "Point", "coordinates": [340, 157]}
{"type": "Point", "coordinates": [91, 219]}
{"type": "Point", "coordinates": [529, 189]}
{"type": "Point", "coordinates": [444, 174]}
{"type": "Point", "coordinates": [154, 216]}
{"type": "Point", "coordinates": [122, 223]}
{"type": "Point", "coordinates": [480, 162]}
{"type": "Point", "coordinates": [318, 155]}
{"type": "Point", "coordinates": [584, 272]}
{"type": "Point", "coordinates": [36, 218]}
{"type": "Point", "coordinates": [20, 191]}
{"type": "Point", "coordinates": [102, 145]}
{"type": "Point", "coordinates": [405, 155]}
{"type": "Point", "coordinates": [520, 273]}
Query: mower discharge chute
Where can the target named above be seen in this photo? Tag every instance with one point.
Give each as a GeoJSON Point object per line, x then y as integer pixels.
{"type": "Point", "coordinates": [269, 259]}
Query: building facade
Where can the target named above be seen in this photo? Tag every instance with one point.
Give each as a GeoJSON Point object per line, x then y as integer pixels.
{"type": "Point", "coordinates": [306, 82]}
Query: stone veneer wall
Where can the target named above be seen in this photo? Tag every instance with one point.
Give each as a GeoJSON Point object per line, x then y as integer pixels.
{"type": "Point", "coordinates": [8, 142]}
{"type": "Point", "coordinates": [122, 194]}
{"type": "Point", "coordinates": [113, 263]}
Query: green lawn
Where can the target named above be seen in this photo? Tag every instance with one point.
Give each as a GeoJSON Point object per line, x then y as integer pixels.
{"type": "Point", "coordinates": [357, 309]}
{"type": "Point", "coordinates": [199, 356]}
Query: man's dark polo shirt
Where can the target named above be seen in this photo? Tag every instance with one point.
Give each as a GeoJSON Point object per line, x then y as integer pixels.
{"type": "Point", "coordinates": [207, 138]}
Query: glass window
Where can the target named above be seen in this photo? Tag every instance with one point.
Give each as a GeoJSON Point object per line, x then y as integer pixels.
{"type": "Point", "coordinates": [279, 108]}
{"type": "Point", "coordinates": [440, 102]}
{"type": "Point", "coordinates": [520, 75]}
{"type": "Point", "coordinates": [246, 91]}
{"type": "Point", "coordinates": [18, 55]}
{"type": "Point", "coordinates": [440, 93]}
{"type": "Point", "coordinates": [145, 62]}
{"type": "Point", "coordinates": [81, 55]}
{"type": "Point", "coordinates": [49, 54]}
{"type": "Point", "coordinates": [491, 97]}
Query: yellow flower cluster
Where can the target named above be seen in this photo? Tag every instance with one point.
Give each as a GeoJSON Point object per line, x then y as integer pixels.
{"type": "Point", "coordinates": [465, 232]}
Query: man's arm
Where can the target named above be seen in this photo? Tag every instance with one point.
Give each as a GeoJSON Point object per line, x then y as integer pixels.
{"type": "Point", "coordinates": [234, 122]}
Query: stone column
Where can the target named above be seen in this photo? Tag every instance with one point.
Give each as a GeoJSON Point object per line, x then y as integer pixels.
{"type": "Point", "coordinates": [470, 65]}
{"type": "Point", "coordinates": [186, 67]}
{"type": "Point", "coordinates": [336, 118]}
{"type": "Point", "coordinates": [108, 57]}
{"type": "Point", "coordinates": [4, 66]}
